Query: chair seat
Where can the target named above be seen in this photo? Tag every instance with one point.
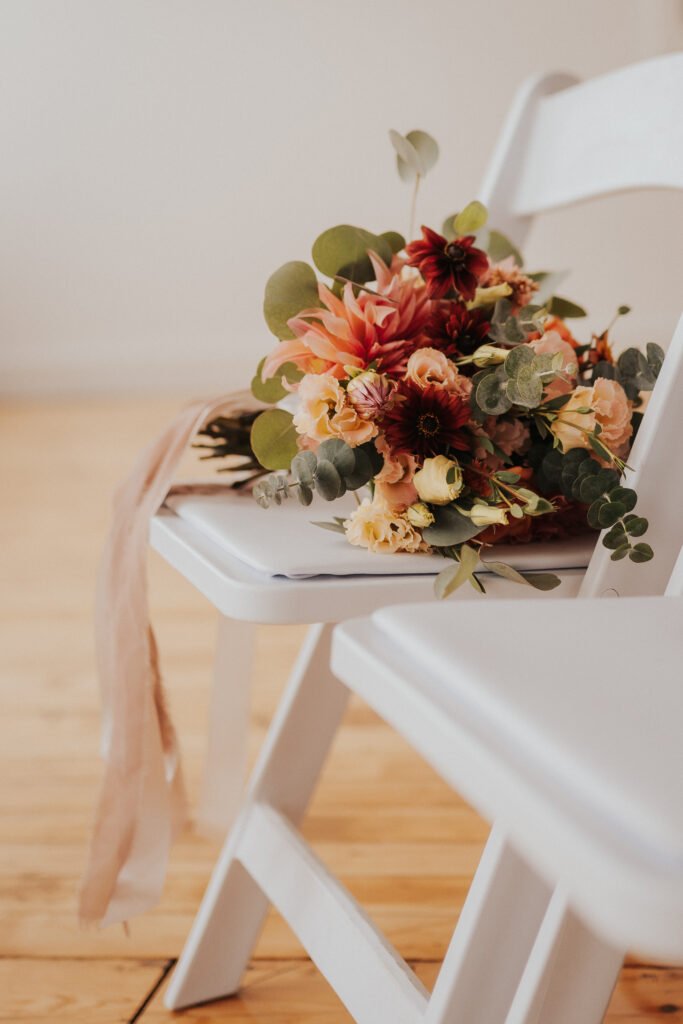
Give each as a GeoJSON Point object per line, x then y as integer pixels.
{"type": "Point", "coordinates": [275, 566]}
{"type": "Point", "coordinates": [580, 759]}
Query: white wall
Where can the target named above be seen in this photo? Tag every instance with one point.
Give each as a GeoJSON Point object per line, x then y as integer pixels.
{"type": "Point", "coordinates": [161, 157]}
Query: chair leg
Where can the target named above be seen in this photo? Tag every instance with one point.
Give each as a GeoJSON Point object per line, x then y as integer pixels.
{"type": "Point", "coordinates": [570, 974]}
{"type": "Point", "coordinates": [228, 727]}
{"type": "Point", "coordinates": [234, 908]}
{"type": "Point", "coordinates": [496, 931]}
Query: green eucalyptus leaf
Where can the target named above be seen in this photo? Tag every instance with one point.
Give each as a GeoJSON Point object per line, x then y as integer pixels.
{"type": "Point", "coordinates": [610, 513]}
{"type": "Point", "coordinates": [305, 494]}
{"type": "Point", "coordinates": [343, 250]}
{"type": "Point", "coordinates": [456, 575]}
{"type": "Point", "coordinates": [447, 229]}
{"type": "Point", "coordinates": [271, 390]}
{"type": "Point", "coordinates": [426, 147]}
{"type": "Point", "coordinates": [328, 481]}
{"type": "Point", "coordinates": [565, 309]}
{"type": "Point", "coordinates": [624, 495]}
{"type": "Point", "coordinates": [303, 467]}
{"type": "Point", "coordinates": [636, 526]}
{"type": "Point", "coordinates": [289, 290]}
{"type": "Point", "coordinates": [407, 155]}
{"type": "Point", "coordinates": [334, 527]}
{"type": "Point", "coordinates": [491, 394]}
{"type": "Point", "coordinates": [620, 552]}
{"type": "Point", "coordinates": [526, 388]}
{"type": "Point", "coordinates": [395, 241]}
{"type": "Point", "coordinates": [641, 553]}
{"type": "Point", "coordinates": [340, 454]}
{"type": "Point", "coordinates": [471, 219]}
{"type": "Point", "coordinates": [274, 439]}
{"type": "Point", "coordinates": [500, 247]}
{"type": "Point", "coordinates": [449, 527]}
{"type": "Point", "coordinates": [655, 357]}
{"type": "Point", "coordinates": [517, 358]}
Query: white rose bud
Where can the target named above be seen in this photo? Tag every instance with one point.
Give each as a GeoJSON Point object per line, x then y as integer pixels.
{"type": "Point", "coordinates": [419, 516]}
{"type": "Point", "coordinates": [488, 515]}
{"type": "Point", "coordinates": [439, 481]}
{"type": "Point", "coordinates": [489, 355]}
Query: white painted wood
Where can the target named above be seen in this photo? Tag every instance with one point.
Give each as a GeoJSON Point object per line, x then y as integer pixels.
{"type": "Point", "coordinates": [369, 977]}
{"type": "Point", "coordinates": [570, 975]}
{"type": "Point", "coordinates": [566, 142]}
{"type": "Point", "coordinates": [233, 908]}
{"type": "Point", "coordinates": [509, 158]}
{"type": "Point", "coordinates": [563, 142]}
{"type": "Point", "coordinates": [675, 585]}
{"type": "Point", "coordinates": [657, 477]}
{"type": "Point", "coordinates": [498, 924]}
{"type": "Point", "coordinates": [227, 728]}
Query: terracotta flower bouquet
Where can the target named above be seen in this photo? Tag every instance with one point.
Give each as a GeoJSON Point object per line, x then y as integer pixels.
{"type": "Point", "coordinates": [439, 381]}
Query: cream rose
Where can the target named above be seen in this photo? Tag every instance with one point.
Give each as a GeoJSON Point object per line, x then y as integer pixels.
{"type": "Point", "coordinates": [571, 425]}
{"type": "Point", "coordinates": [324, 412]}
{"type": "Point", "coordinates": [419, 515]}
{"type": "Point", "coordinates": [378, 528]}
{"type": "Point", "coordinates": [488, 515]}
{"type": "Point", "coordinates": [432, 481]}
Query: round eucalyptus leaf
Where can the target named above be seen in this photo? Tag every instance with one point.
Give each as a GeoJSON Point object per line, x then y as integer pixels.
{"type": "Point", "coordinates": [525, 389]}
{"type": "Point", "coordinates": [565, 309]}
{"type": "Point", "coordinates": [362, 471]}
{"type": "Point", "coordinates": [426, 148]}
{"type": "Point", "coordinates": [289, 290]}
{"type": "Point", "coordinates": [344, 249]}
{"type": "Point", "coordinates": [522, 355]}
{"type": "Point", "coordinates": [395, 240]}
{"type": "Point", "coordinates": [407, 153]}
{"type": "Point", "coordinates": [620, 553]}
{"type": "Point", "coordinates": [636, 526]}
{"type": "Point", "coordinates": [328, 482]}
{"type": "Point", "coordinates": [625, 496]}
{"type": "Point", "coordinates": [609, 513]}
{"type": "Point", "coordinates": [491, 395]}
{"type": "Point", "coordinates": [303, 467]}
{"type": "Point", "coordinates": [449, 527]}
{"type": "Point", "coordinates": [340, 454]}
{"type": "Point", "coordinates": [500, 247]}
{"type": "Point", "coordinates": [305, 494]}
{"type": "Point", "coordinates": [641, 553]}
{"type": "Point", "coordinates": [274, 439]}
{"type": "Point", "coordinates": [471, 219]}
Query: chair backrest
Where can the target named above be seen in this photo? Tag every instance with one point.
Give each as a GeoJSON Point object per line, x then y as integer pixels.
{"type": "Point", "coordinates": [565, 141]}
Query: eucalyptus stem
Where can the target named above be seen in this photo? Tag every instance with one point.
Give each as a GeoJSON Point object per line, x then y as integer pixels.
{"type": "Point", "coordinates": [413, 206]}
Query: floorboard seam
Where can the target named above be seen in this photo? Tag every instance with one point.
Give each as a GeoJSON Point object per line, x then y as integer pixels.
{"type": "Point", "coordinates": [152, 992]}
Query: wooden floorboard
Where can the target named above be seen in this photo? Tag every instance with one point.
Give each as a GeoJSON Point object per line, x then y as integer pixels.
{"type": "Point", "coordinates": [401, 840]}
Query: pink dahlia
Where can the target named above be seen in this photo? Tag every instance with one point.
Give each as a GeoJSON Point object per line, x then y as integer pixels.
{"type": "Point", "coordinates": [380, 328]}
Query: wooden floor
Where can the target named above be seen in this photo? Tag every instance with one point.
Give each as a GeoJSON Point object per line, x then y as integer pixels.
{"type": "Point", "coordinates": [405, 845]}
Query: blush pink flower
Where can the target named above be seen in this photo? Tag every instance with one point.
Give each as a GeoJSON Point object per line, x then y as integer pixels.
{"type": "Point", "coordinates": [357, 330]}
{"type": "Point", "coordinates": [430, 366]}
{"type": "Point", "coordinates": [511, 436]}
{"type": "Point", "coordinates": [324, 412]}
{"type": "Point", "coordinates": [394, 482]}
{"type": "Point", "coordinates": [551, 343]}
{"type": "Point", "coordinates": [608, 406]}
{"type": "Point", "coordinates": [379, 528]}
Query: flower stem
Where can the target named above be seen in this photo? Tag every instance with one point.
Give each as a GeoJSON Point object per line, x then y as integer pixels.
{"type": "Point", "coordinates": [413, 206]}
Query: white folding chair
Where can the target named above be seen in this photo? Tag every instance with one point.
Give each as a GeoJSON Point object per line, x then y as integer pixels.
{"type": "Point", "coordinates": [265, 859]}
{"type": "Point", "coordinates": [576, 762]}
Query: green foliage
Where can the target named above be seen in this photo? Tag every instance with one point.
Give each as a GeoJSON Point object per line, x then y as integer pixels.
{"type": "Point", "coordinates": [289, 290]}
{"type": "Point", "coordinates": [395, 240]}
{"type": "Point", "coordinates": [610, 505]}
{"type": "Point", "coordinates": [449, 527]}
{"type": "Point", "coordinates": [271, 390]}
{"type": "Point", "coordinates": [416, 153]}
{"type": "Point", "coordinates": [537, 580]}
{"type": "Point", "coordinates": [274, 439]}
{"type": "Point", "coordinates": [334, 469]}
{"type": "Point", "coordinates": [471, 219]}
{"type": "Point", "coordinates": [463, 571]}
{"type": "Point", "coordinates": [343, 251]}
{"type": "Point", "coordinates": [520, 381]}
{"type": "Point", "coordinates": [508, 328]}
{"type": "Point", "coordinates": [565, 309]}
{"type": "Point", "coordinates": [499, 247]}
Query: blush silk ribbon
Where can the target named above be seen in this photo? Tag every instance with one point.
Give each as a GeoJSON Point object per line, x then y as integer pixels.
{"type": "Point", "coordinates": [142, 804]}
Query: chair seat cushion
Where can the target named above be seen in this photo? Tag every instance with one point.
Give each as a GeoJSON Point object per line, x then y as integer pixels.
{"type": "Point", "coordinates": [583, 699]}
{"type": "Point", "coordinates": [283, 542]}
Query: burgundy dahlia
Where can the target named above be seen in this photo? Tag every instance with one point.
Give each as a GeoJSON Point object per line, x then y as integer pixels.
{"type": "Point", "coordinates": [426, 421]}
{"type": "Point", "coordinates": [456, 330]}
{"type": "Point", "coordinates": [448, 265]}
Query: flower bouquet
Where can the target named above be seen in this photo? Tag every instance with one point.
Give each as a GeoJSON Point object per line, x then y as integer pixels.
{"type": "Point", "coordinates": [439, 381]}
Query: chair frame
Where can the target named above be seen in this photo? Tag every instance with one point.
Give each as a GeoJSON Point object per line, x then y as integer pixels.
{"type": "Point", "coordinates": [265, 860]}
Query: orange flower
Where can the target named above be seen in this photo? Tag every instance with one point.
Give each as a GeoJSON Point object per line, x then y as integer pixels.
{"type": "Point", "coordinates": [356, 330]}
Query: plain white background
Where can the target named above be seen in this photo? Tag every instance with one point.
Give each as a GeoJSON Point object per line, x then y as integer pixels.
{"type": "Point", "coordinates": [161, 157]}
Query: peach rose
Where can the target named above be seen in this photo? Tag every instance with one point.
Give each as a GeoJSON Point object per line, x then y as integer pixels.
{"type": "Point", "coordinates": [571, 425]}
{"type": "Point", "coordinates": [378, 528]}
{"type": "Point", "coordinates": [551, 343]}
{"type": "Point", "coordinates": [613, 413]}
{"type": "Point", "coordinates": [324, 412]}
{"type": "Point", "coordinates": [608, 406]}
{"type": "Point", "coordinates": [511, 436]}
{"type": "Point", "coordinates": [394, 482]}
{"type": "Point", "coordinates": [430, 366]}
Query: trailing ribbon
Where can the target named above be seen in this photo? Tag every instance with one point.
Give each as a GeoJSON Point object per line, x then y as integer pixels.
{"type": "Point", "coordinates": [142, 803]}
